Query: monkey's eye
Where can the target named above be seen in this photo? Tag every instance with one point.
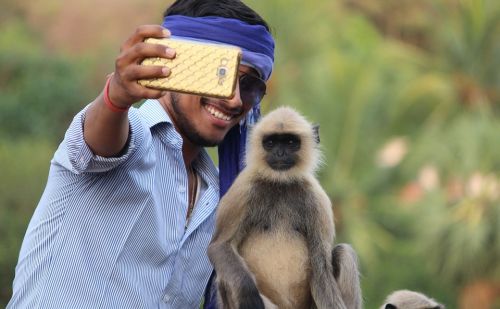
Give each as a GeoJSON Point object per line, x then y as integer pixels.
{"type": "Point", "coordinates": [268, 143]}
{"type": "Point", "coordinates": [292, 142]}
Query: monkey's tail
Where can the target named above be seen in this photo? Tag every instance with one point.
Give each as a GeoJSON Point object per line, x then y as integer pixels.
{"type": "Point", "coordinates": [347, 275]}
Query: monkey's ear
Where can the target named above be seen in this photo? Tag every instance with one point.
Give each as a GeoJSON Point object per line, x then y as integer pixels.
{"type": "Point", "coordinates": [316, 132]}
{"type": "Point", "coordinates": [390, 306]}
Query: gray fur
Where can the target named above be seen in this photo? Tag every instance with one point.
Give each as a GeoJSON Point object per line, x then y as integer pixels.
{"type": "Point", "coordinates": [346, 271]}
{"type": "Point", "coordinates": [405, 299]}
{"type": "Point", "coordinates": [263, 200]}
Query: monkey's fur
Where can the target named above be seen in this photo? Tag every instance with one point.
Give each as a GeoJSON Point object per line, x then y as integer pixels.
{"type": "Point", "coordinates": [274, 240]}
{"type": "Point", "coordinates": [405, 299]}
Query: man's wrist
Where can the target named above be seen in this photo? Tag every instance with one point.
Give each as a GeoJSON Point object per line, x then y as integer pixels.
{"type": "Point", "coordinates": [109, 103]}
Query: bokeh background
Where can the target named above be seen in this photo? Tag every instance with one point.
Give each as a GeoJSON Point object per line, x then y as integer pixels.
{"type": "Point", "coordinates": [407, 94]}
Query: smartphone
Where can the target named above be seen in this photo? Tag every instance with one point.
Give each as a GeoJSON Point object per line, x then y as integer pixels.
{"type": "Point", "coordinates": [198, 68]}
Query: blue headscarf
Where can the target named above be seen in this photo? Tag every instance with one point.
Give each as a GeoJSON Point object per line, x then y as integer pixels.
{"type": "Point", "coordinates": [255, 41]}
{"type": "Point", "coordinates": [257, 47]}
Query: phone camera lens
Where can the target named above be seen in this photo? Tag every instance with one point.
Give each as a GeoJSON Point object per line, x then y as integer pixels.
{"type": "Point", "coordinates": [221, 72]}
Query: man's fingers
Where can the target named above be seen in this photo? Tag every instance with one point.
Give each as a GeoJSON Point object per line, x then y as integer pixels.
{"type": "Point", "coordinates": [138, 52]}
{"type": "Point", "coordinates": [125, 89]}
{"type": "Point", "coordinates": [143, 32]}
{"type": "Point", "coordinates": [142, 92]}
{"type": "Point", "coordinates": [137, 72]}
{"type": "Point", "coordinates": [130, 77]}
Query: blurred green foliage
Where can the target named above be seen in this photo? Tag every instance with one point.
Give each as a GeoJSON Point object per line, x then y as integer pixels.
{"type": "Point", "coordinates": [40, 91]}
{"type": "Point", "coordinates": [407, 94]}
{"type": "Point", "coordinates": [24, 166]}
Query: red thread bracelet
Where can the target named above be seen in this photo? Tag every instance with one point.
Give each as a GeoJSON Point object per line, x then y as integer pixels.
{"type": "Point", "coordinates": [107, 100]}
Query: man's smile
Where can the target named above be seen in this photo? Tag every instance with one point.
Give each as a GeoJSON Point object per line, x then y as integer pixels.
{"type": "Point", "coordinates": [217, 113]}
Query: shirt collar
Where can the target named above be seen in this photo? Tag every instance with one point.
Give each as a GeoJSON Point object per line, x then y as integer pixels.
{"type": "Point", "coordinates": [153, 114]}
{"type": "Point", "coordinates": [205, 166]}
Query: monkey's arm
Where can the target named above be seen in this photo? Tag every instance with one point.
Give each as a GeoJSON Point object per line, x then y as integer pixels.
{"type": "Point", "coordinates": [320, 237]}
{"type": "Point", "coordinates": [324, 287]}
{"type": "Point", "coordinates": [236, 284]}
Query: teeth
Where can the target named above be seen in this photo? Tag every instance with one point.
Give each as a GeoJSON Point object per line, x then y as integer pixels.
{"type": "Point", "coordinates": [217, 114]}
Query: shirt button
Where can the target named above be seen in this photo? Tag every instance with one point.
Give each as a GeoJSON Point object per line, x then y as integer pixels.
{"type": "Point", "coordinates": [167, 298]}
{"type": "Point", "coordinates": [181, 189]}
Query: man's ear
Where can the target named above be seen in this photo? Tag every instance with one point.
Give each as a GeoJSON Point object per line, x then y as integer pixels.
{"type": "Point", "coordinates": [316, 133]}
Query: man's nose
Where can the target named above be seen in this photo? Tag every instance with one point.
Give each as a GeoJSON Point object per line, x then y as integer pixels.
{"type": "Point", "coordinates": [235, 101]}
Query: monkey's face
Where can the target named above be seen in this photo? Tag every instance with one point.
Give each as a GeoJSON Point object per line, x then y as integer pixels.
{"type": "Point", "coordinates": [282, 147]}
{"type": "Point", "coordinates": [281, 150]}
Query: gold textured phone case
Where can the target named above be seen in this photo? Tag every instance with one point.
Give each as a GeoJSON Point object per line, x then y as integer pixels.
{"type": "Point", "coordinates": [198, 68]}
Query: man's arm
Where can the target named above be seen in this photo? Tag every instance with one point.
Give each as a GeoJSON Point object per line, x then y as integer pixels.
{"type": "Point", "coordinates": [106, 131]}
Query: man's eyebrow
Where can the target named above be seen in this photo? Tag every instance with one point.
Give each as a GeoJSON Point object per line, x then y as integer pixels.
{"type": "Point", "coordinates": [251, 72]}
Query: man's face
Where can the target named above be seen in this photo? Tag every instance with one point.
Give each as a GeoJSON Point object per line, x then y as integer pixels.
{"type": "Point", "coordinates": [206, 121]}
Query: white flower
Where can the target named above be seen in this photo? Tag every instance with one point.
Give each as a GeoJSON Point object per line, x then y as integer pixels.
{"type": "Point", "coordinates": [428, 177]}
{"type": "Point", "coordinates": [393, 152]}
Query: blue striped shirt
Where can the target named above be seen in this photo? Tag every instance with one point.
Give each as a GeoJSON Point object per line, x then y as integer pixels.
{"type": "Point", "coordinates": [109, 232]}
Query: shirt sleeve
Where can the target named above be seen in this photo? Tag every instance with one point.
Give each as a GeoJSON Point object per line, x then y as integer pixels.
{"type": "Point", "coordinates": [75, 155]}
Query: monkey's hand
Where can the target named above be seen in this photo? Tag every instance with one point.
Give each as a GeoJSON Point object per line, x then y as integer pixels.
{"type": "Point", "coordinates": [242, 293]}
{"type": "Point", "coordinates": [235, 283]}
{"type": "Point", "coordinates": [249, 296]}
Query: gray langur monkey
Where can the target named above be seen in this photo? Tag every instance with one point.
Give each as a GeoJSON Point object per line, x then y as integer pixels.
{"type": "Point", "coordinates": [273, 246]}
{"type": "Point", "coordinates": [405, 299]}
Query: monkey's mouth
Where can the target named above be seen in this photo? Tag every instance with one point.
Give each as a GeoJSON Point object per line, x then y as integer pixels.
{"type": "Point", "coordinates": [279, 165]}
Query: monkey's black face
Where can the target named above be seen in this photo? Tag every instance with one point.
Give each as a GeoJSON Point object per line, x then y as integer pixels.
{"type": "Point", "coordinates": [281, 150]}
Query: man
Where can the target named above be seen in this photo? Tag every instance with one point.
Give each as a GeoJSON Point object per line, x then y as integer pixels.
{"type": "Point", "coordinates": [129, 206]}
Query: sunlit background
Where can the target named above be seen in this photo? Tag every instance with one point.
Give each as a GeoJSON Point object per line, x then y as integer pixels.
{"type": "Point", "coordinates": [407, 94]}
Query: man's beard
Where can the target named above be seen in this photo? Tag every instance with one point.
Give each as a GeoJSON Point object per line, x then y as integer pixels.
{"type": "Point", "coordinates": [187, 128]}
